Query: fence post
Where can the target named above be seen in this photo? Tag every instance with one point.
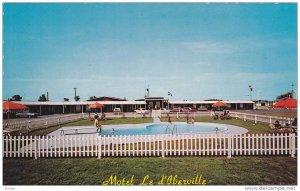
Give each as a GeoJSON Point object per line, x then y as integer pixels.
{"type": "Point", "coordinates": [270, 119]}
{"type": "Point", "coordinates": [46, 123]}
{"type": "Point", "coordinates": [229, 146]}
{"type": "Point", "coordinates": [163, 146]}
{"type": "Point", "coordinates": [99, 147]}
{"type": "Point", "coordinates": [244, 117]}
{"type": "Point", "coordinates": [35, 149]}
{"type": "Point", "coordinates": [293, 145]}
{"type": "Point", "coordinates": [255, 119]}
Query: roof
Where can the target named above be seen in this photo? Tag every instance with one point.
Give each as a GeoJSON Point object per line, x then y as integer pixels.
{"type": "Point", "coordinates": [287, 103]}
{"type": "Point", "coordinates": [207, 102]}
{"type": "Point", "coordinates": [106, 98]}
{"type": "Point", "coordinates": [82, 102]}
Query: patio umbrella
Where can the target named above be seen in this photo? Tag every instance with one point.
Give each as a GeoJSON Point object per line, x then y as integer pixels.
{"type": "Point", "coordinates": [287, 103]}
{"type": "Point", "coordinates": [96, 106]}
{"type": "Point", "coordinates": [219, 104]}
{"type": "Point", "coordinates": [9, 106]}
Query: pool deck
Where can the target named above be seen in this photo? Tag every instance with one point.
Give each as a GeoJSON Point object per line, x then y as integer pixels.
{"type": "Point", "coordinates": [88, 133]}
{"type": "Point", "coordinates": [90, 130]}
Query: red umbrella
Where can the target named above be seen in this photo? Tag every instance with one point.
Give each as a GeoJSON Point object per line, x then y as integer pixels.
{"type": "Point", "coordinates": [9, 106]}
{"type": "Point", "coordinates": [287, 103]}
{"type": "Point", "coordinates": [219, 104]}
{"type": "Point", "coordinates": [96, 105]}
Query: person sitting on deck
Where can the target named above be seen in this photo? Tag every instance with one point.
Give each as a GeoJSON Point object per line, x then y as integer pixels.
{"type": "Point", "coordinates": [276, 125]}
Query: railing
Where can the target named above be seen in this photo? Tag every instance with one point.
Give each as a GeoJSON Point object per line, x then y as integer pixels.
{"type": "Point", "coordinates": [237, 115]}
{"type": "Point", "coordinates": [261, 118]}
{"type": "Point", "coordinates": [150, 145]}
{"type": "Point", "coordinates": [32, 124]}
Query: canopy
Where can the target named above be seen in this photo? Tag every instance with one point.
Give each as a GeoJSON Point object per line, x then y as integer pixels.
{"type": "Point", "coordinates": [9, 106]}
{"type": "Point", "coordinates": [287, 103]}
{"type": "Point", "coordinates": [219, 104]}
{"type": "Point", "coordinates": [96, 105]}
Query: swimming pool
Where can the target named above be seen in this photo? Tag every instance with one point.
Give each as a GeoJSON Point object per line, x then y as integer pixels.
{"type": "Point", "coordinates": [163, 128]}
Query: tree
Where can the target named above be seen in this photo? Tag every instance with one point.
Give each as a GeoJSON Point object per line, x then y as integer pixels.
{"type": "Point", "coordinates": [284, 95]}
{"type": "Point", "coordinates": [66, 99]}
{"type": "Point", "coordinates": [93, 97]}
{"type": "Point", "coordinates": [77, 98]}
{"type": "Point", "coordinates": [42, 98]}
{"type": "Point", "coordinates": [16, 98]}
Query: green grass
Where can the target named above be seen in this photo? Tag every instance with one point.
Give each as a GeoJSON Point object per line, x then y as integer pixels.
{"type": "Point", "coordinates": [290, 115]}
{"type": "Point", "coordinates": [109, 121]}
{"type": "Point", "coordinates": [257, 128]}
{"type": "Point", "coordinates": [90, 171]}
{"type": "Point", "coordinates": [215, 170]}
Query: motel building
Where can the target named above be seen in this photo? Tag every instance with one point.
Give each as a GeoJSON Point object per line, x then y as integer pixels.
{"type": "Point", "coordinates": [63, 107]}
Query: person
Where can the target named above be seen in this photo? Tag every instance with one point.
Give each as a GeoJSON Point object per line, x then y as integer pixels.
{"type": "Point", "coordinates": [96, 123]}
{"type": "Point", "coordinates": [193, 121]}
{"type": "Point", "coordinates": [169, 119]}
{"type": "Point", "coordinates": [103, 116]}
{"type": "Point", "coordinates": [277, 124]}
{"type": "Point", "coordinates": [187, 119]}
{"type": "Point", "coordinates": [294, 123]}
{"type": "Point", "coordinates": [113, 131]}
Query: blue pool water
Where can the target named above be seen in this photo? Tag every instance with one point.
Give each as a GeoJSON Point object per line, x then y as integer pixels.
{"type": "Point", "coordinates": [162, 128]}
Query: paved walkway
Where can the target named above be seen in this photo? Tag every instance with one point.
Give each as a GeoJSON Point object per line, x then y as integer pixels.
{"type": "Point", "coordinates": [156, 120]}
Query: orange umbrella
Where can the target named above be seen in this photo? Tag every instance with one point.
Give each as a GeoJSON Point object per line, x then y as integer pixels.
{"type": "Point", "coordinates": [9, 106]}
{"type": "Point", "coordinates": [219, 104]}
{"type": "Point", "coordinates": [287, 103]}
{"type": "Point", "coordinates": [96, 105]}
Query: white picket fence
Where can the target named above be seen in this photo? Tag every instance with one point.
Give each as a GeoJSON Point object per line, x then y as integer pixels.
{"type": "Point", "coordinates": [38, 123]}
{"type": "Point", "coordinates": [261, 118]}
{"type": "Point", "coordinates": [149, 145]}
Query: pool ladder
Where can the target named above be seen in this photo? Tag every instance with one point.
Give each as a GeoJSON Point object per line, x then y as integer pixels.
{"type": "Point", "coordinates": [169, 127]}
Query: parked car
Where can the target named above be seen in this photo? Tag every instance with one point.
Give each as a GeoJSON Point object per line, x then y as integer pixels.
{"type": "Point", "coordinates": [202, 109]}
{"type": "Point", "coordinates": [141, 111]}
{"type": "Point", "coordinates": [27, 115]}
{"type": "Point", "coordinates": [117, 110]}
{"type": "Point", "coordinates": [175, 110]}
{"type": "Point", "coordinates": [187, 109]}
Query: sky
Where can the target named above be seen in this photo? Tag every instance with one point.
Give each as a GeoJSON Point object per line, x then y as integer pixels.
{"type": "Point", "coordinates": [196, 51]}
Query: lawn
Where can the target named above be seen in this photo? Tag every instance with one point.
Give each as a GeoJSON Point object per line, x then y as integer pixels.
{"type": "Point", "coordinates": [90, 171]}
{"type": "Point", "coordinates": [214, 170]}
{"type": "Point", "coordinates": [252, 128]}
{"type": "Point", "coordinates": [290, 115]}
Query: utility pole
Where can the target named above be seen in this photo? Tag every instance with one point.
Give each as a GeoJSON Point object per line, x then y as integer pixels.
{"type": "Point", "coordinates": [250, 92]}
{"type": "Point", "coordinates": [293, 90]}
{"type": "Point", "coordinates": [75, 93]}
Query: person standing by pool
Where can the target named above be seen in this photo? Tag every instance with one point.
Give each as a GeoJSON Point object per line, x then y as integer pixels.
{"type": "Point", "coordinates": [96, 123]}
{"type": "Point", "coordinates": [169, 119]}
{"type": "Point", "coordinates": [193, 121]}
